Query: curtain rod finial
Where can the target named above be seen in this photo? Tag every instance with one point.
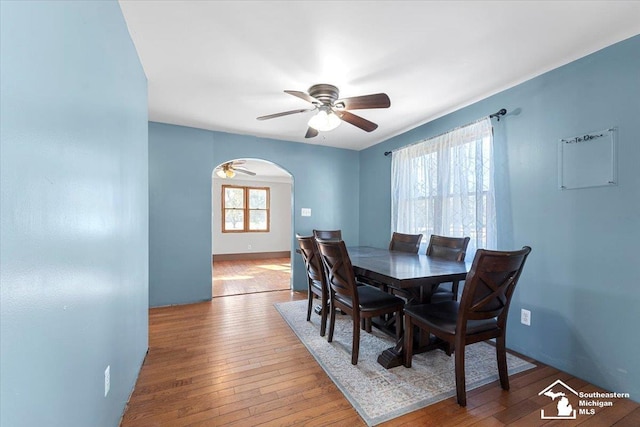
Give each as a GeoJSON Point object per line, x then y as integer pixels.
{"type": "Point", "coordinates": [497, 115]}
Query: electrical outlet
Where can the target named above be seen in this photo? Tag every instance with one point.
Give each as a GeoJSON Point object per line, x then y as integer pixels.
{"type": "Point", "coordinates": [305, 212]}
{"type": "Point", "coordinates": [525, 317]}
{"type": "Point", "coordinates": [107, 380]}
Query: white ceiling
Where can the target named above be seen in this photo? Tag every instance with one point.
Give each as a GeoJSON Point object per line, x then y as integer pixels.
{"type": "Point", "coordinates": [218, 65]}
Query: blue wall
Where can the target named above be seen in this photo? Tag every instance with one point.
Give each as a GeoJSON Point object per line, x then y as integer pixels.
{"type": "Point", "coordinates": [74, 223]}
{"type": "Point", "coordinates": [582, 280]}
{"type": "Point", "coordinates": [181, 162]}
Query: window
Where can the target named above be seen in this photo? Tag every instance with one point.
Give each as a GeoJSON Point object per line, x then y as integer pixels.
{"type": "Point", "coordinates": [444, 186]}
{"type": "Point", "coordinates": [245, 209]}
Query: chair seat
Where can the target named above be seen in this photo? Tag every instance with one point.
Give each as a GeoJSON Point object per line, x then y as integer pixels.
{"type": "Point", "coordinates": [443, 316]}
{"type": "Point", "coordinates": [441, 296]}
{"type": "Point", "coordinates": [372, 299]}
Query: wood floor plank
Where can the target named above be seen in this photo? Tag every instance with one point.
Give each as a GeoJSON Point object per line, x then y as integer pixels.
{"type": "Point", "coordinates": [474, 415]}
{"type": "Point", "coordinates": [632, 419]}
{"type": "Point", "coordinates": [235, 277]}
{"type": "Point", "coordinates": [610, 415]}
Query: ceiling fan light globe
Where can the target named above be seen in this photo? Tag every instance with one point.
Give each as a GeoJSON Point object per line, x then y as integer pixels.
{"type": "Point", "coordinates": [221, 173]}
{"type": "Point", "coordinates": [324, 121]}
{"type": "Point", "coordinates": [230, 173]}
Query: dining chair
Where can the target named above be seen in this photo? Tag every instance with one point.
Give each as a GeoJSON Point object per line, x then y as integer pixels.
{"type": "Point", "coordinates": [328, 234]}
{"type": "Point", "coordinates": [359, 302]}
{"type": "Point", "coordinates": [480, 315]}
{"type": "Point", "coordinates": [449, 248]}
{"type": "Point", "coordinates": [405, 242]}
{"type": "Point", "coordinates": [402, 243]}
{"type": "Point", "coordinates": [316, 283]}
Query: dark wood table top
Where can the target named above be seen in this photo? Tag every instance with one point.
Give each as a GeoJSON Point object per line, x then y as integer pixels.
{"type": "Point", "coordinates": [402, 269]}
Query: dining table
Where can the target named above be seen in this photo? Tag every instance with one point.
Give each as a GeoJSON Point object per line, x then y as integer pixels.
{"type": "Point", "coordinates": [412, 276]}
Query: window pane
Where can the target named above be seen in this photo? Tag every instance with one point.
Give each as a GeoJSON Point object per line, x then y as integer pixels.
{"type": "Point", "coordinates": [233, 197]}
{"type": "Point", "coordinates": [257, 199]}
{"type": "Point", "coordinates": [233, 219]}
{"type": "Point", "coordinates": [257, 220]}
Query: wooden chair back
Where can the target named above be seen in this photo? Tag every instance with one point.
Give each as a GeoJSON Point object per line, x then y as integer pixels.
{"type": "Point", "coordinates": [328, 234]}
{"type": "Point", "coordinates": [340, 276]}
{"type": "Point", "coordinates": [450, 248]}
{"type": "Point", "coordinates": [315, 278]}
{"type": "Point", "coordinates": [405, 242]}
{"type": "Point", "coordinates": [489, 286]}
{"type": "Point", "coordinates": [311, 258]}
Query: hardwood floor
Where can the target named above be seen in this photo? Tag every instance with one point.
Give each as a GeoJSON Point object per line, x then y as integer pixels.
{"type": "Point", "coordinates": [251, 276]}
{"type": "Point", "coordinates": [235, 362]}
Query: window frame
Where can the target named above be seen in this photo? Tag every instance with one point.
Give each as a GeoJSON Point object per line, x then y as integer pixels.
{"type": "Point", "coordinates": [246, 209]}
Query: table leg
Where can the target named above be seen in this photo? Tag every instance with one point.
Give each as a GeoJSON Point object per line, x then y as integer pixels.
{"type": "Point", "coordinates": [394, 356]}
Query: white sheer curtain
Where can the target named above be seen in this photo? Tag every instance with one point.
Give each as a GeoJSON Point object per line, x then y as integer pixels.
{"type": "Point", "coordinates": [444, 186]}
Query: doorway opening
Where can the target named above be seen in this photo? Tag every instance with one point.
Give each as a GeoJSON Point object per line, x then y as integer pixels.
{"type": "Point", "coordinates": [251, 227]}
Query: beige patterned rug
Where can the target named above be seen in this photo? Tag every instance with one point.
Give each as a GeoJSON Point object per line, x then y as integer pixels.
{"type": "Point", "coordinates": [380, 394]}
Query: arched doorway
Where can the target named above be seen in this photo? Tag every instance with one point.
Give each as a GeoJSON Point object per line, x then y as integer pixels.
{"type": "Point", "coordinates": [251, 227]}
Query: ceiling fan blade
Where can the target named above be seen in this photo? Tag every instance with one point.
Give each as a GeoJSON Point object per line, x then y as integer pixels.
{"type": "Point", "coordinates": [245, 171]}
{"type": "Point", "coordinates": [311, 132]}
{"type": "Point", "coordinates": [239, 162]}
{"type": "Point", "coordinates": [285, 113]}
{"type": "Point", "coordinates": [378, 100]}
{"type": "Point", "coordinates": [303, 95]}
{"type": "Point", "coordinates": [357, 121]}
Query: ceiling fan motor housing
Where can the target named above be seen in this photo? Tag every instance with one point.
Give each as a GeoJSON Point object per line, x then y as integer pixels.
{"type": "Point", "coordinates": [325, 93]}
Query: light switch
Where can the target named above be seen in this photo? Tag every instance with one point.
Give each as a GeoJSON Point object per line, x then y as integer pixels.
{"type": "Point", "coordinates": [305, 212]}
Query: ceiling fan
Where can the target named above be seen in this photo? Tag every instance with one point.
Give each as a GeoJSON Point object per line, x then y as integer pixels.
{"type": "Point", "coordinates": [229, 169]}
{"type": "Point", "coordinates": [332, 111]}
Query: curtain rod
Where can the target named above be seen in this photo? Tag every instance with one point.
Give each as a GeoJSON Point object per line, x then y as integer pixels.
{"type": "Point", "coordinates": [497, 115]}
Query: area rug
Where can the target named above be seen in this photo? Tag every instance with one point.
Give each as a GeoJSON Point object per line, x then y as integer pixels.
{"type": "Point", "coordinates": [380, 394]}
